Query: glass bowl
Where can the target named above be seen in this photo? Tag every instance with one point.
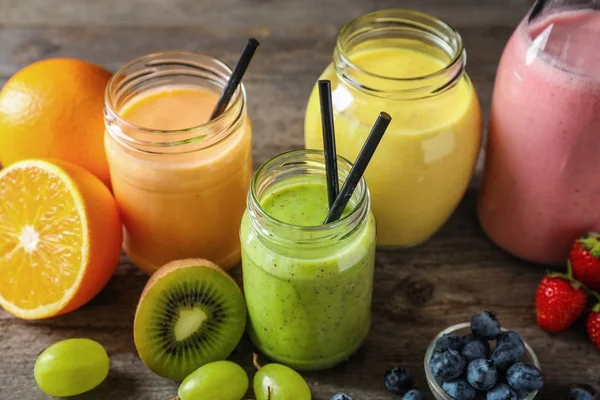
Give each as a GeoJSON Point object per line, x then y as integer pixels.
{"type": "Point", "coordinates": [462, 329]}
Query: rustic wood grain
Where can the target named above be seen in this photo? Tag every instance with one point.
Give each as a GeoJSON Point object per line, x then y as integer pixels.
{"type": "Point", "coordinates": [241, 15]}
{"type": "Point", "coordinates": [418, 292]}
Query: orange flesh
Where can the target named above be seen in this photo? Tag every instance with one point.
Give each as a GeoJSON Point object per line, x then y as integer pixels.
{"type": "Point", "coordinates": [41, 233]}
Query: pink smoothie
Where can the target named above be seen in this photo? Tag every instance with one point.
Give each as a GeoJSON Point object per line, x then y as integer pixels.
{"type": "Point", "coordinates": [541, 187]}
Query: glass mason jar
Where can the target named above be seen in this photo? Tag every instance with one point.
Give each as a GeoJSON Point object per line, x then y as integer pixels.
{"type": "Point", "coordinates": [308, 288]}
{"type": "Point", "coordinates": [412, 66]}
{"type": "Point", "coordinates": [540, 187]}
{"type": "Point", "coordinates": [181, 191]}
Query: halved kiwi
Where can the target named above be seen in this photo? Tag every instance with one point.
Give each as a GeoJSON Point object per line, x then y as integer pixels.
{"type": "Point", "coordinates": [190, 313]}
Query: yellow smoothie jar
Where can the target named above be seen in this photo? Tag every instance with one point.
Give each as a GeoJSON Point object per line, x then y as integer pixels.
{"type": "Point", "coordinates": [412, 66]}
{"type": "Point", "coordinates": [180, 179]}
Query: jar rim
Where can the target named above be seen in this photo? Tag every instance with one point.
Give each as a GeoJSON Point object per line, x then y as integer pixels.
{"type": "Point", "coordinates": [239, 95]}
{"type": "Point", "coordinates": [408, 17]}
{"type": "Point", "coordinates": [343, 165]}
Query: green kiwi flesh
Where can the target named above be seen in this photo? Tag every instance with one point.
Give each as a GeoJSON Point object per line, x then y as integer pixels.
{"type": "Point", "coordinates": [188, 316]}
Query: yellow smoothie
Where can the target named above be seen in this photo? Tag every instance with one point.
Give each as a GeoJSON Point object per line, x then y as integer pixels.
{"type": "Point", "coordinates": [424, 163]}
{"type": "Point", "coordinates": [181, 204]}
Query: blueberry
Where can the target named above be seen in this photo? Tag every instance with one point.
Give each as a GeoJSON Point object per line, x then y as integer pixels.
{"type": "Point", "coordinates": [526, 377]}
{"type": "Point", "coordinates": [398, 380]}
{"type": "Point", "coordinates": [582, 393]}
{"type": "Point", "coordinates": [471, 338]}
{"type": "Point", "coordinates": [502, 392]}
{"type": "Point", "coordinates": [485, 325]}
{"type": "Point", "coordinates": [507, 354]}
{"type": "Point", "coordinates": [414, 395]}
{"type": "Point", "coordinates": [482, 374]}
{"type": "Point", "coordinates": [448, 341]}
{"type": "Point", "coordinates": [447, 365]}
{"type": "Point", "coordinates": [510, 337]}
{"type": "Point", "coordinates": [474, 350]}
{"type": "Point", "coordinates": [459, 389]}
{"type": "Point", "coordinates": [341, 396]}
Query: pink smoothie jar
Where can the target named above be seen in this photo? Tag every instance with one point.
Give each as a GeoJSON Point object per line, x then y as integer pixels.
{"type": "Point", "coordinates": [541, 185]}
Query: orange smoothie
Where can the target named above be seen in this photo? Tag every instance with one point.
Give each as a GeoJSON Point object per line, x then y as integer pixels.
{"type": "Point", "coordinates": [187, 203]}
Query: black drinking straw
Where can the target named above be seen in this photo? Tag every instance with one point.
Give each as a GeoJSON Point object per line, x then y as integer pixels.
{"type": "Point", "coordinates": [537, 8]}
{"type": "Point", "coordinates": [236, 77]}
{"type": "Point", "coordinates": [359, 167]}
{"type": "Point", "coordinates": [329, 141]}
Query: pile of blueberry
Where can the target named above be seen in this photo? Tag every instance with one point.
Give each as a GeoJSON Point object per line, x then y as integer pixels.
{"type": "Point", "coordinates": [467, 365]}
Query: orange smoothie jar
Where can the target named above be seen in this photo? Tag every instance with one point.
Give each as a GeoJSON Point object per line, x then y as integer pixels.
{"type": "Point", "coordinates": [180, 180]}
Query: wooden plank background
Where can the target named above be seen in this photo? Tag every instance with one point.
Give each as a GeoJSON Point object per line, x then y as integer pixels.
{"type": "Point", "coordinates": [418, 292]}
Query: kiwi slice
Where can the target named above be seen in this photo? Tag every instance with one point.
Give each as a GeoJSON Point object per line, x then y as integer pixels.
{"type": "Point", "coordinates": [190, 313]}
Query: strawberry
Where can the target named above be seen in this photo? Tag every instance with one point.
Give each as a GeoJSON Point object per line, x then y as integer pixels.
{"type": "Point", "coordinates": [593, 325]}
{"type": "Point", "coordinates": [585, 258]}
{"type": "Point", "coordinates": [559, 301]}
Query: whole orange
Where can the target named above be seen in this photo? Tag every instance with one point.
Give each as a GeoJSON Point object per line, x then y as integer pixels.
{"type": "Point", "coordinates": [53, 109]}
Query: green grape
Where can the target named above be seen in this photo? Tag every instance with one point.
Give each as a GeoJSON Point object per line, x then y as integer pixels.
{"type": "Point", "coordinates": [278, 382]}
{"type": "Point", "coordinates": [219, 380]}
{"type": "Point", "coordinates": [71, 367]}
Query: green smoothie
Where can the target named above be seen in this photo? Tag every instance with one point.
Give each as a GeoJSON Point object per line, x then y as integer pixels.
{"type": "Point", "coordinates": [308, 294]}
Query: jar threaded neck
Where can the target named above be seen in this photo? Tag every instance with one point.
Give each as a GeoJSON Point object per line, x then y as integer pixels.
{"type": "Point", "coordinates": [304, 165]}
{"type": "Point", "coordinates": [168, 70]}
{"type": "Point", "coordinates": [406, 26]}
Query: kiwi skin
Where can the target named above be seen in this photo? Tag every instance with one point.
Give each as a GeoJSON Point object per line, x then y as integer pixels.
{"type": "Point", "coordinates": [148, 343]}
{"type": "Point", "coordinates": [186, 263]}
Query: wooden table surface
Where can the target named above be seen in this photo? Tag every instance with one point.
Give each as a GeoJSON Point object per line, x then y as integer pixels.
{"type": "Point", "coordinates": [417, 292]}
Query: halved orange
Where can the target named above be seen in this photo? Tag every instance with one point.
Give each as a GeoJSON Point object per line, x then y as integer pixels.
{"type": "Point", "coordinates": [60, 238]}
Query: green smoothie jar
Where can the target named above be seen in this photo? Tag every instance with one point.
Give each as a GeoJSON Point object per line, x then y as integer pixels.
{"type": "Point", "coordinates": [308, 286]}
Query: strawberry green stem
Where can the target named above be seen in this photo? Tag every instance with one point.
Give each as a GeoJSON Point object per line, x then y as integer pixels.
{"type": "Point", "coordinates": [569, 277]}
{"type": "Point", "coordinates": [595, 251]}
{"type": "Point", "coordinates": [591, 243]}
